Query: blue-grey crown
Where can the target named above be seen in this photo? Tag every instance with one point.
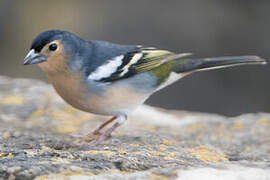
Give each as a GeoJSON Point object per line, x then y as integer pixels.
{"type": "Point", "coordinates": [45, 37]}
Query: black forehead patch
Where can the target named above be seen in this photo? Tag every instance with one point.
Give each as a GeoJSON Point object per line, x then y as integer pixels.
{"type": "Point", "coordinates": [44, 38]}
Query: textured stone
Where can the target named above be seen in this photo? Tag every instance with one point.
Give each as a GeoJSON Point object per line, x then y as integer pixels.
{"type": "Point", "coordinates": [153, 144]}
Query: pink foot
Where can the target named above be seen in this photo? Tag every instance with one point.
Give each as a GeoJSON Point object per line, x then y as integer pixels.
{"type": "Point", "coordinates": [103, 136]}
{"type": "Point", "coordinates": [93, 134]}
{"type": "Point", "coordinates": [97, 137]}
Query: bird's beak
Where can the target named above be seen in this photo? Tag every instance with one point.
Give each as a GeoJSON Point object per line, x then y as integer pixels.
{"type": "Point", "coordinates": [33, 58]}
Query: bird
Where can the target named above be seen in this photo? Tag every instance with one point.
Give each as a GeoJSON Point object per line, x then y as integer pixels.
{"type": "Point", "coordinates": [110, 79]}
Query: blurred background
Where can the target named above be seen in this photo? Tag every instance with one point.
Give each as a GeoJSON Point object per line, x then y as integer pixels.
{"type": "Point", "coordinates": [207, 28]}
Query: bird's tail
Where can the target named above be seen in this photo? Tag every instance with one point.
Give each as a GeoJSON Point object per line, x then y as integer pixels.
{"type": "Point", "coordinates": [201, 64]}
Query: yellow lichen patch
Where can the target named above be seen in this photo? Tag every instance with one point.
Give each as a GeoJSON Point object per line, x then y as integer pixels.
{"type": "Point", "coordinates": [124, 172]}
{"type": "Point", "coordinates": [65, 175]}
{"type": "Point", "coordinates": [162, 149]}
{"type": "Point", "coordinates": [167, 142]}
{"type": "Point", "coordinates": [150, 128]}
{"type": "Point", "coordinates": [70, 110]}
{"type": "Point", "coordinates": [69, 120]}
{"type": "Point", "coordinates": [69, 125]}
{"type": "Point", "coordinates": [60, 161]}
{"type": "Point", "coordinates": [37, 113]}
{"type": "Point", "coordinates": [173, 153]}
{"type": "Point", "coordinates": [135, 145]}
{"type": "Point", "coordinates": [169, 158]}
{"type": "Point", "coordinates": [262, 121]}
{"type": "Point", "coordinates": [158, 153]}
{"type": "Point", "coordinates": [46, 148]}
{"type": "Point", "coordinates": [2, 154]}
{"type": "Point", "coordinates": [158, 177]}
{"type": "Point", "coordinates": [43, 177]}
{"type": "Point", "coordinates": [10, 155]}
{"type": "Point", "coordinates": [194, 127]}
{"type": "Point", "coordinates": [85, 117]}
{"type": "Point", "coordinates": [136, 152]}
{"type": "Point", "coordinates": [12, 100]}
{"type": "Point", "coordinates": [238, 125]}
{"type": "Point", "coordinates": [122, 151]}
{"type": "Point", "coordinates": [6, 135]}
{"type": "Point", "coordinates": [114, 171]}
{"type": "Point", "coordinates": [94, 152]}
{"type": "Point", "coordinates": [207, 155]}
{"type": "Point", "coordinates": [248, 148]}
{"type": "Point", "coordinates": [59, 114]}
{"type": "Point", "coordinates": [67, 129]}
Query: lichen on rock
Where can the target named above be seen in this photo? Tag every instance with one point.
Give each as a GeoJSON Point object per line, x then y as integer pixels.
{"type": "Point", "coordinates": [153, 144]}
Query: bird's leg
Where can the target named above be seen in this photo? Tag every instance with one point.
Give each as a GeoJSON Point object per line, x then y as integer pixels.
{"type": "Point", "coordinates": [96, 131]}
{"type": "Point", "coordinates": [120, 120]}
{"type": "Point", "coordinates": [99, 128]}
{"type": "Point", "coordinates": [104, 135]}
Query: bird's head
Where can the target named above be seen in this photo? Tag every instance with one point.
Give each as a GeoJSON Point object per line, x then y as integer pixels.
{"type": "Point", "coordinates": [50, 50]}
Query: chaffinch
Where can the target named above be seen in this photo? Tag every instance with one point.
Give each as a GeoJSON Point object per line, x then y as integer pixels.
{"type": "Point", "coordinates": [111, 79]}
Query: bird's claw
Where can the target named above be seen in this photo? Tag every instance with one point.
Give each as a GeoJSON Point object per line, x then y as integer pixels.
{"type": "Point", "coordinates": [91, 138]}
{"type": "Point", "coordinates": [96, 137]}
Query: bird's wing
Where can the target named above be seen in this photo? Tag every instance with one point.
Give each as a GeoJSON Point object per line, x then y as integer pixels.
{"type": "Point", "coordinates": [132, 63]}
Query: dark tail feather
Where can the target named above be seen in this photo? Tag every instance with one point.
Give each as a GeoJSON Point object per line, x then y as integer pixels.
{"type": "Point", "coordinates": [192, 65]}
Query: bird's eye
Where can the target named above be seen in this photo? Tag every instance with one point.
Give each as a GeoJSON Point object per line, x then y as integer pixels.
{"type": "Point", "coordinates": [53, 47]}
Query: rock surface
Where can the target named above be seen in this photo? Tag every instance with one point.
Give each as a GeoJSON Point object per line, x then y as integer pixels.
{"type": "Point", "coordinates": [153, 144]}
